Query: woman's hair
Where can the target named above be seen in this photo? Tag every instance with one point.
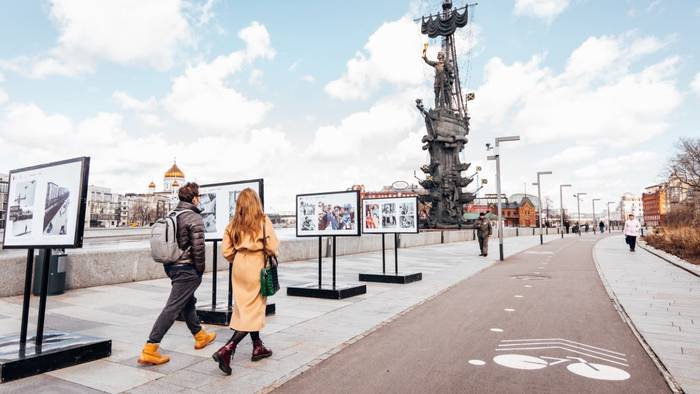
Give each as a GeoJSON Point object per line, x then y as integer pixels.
{"type": "Point", "coordinates": [248, 216]}
{"type": "Point", "coordinates": [188, 192]}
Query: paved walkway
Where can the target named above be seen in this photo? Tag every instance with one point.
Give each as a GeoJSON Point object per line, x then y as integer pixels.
{"type": "Point", "coordinates": [541, 322]}
{"type": "Point", "coordinates": [663, 302]}
{"type": "Point", "coordinates": [302, 333]}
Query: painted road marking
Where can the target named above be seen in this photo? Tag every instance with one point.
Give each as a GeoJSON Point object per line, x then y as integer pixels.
{"type": "Point", "coordinates": [537, 252]}
{"type": "Point", "coordinates": [477, 362]}
{"type": "Point", "coordinates": [562, 340]}
{"type": "Point", "coordinates": [518, 296]}
{"type": "Point", "coordinates": [509, 310]}
{"type": "Point", "coordinates": [497, 329]}
{"type": "Point", "coordinates": [520, 361]}
{"type": "Point", "coordinates": [528, 286]}
{"type": "Point", "coordinates": [581, 368]}
{"type": "Point", "coordinates": [566, 345]}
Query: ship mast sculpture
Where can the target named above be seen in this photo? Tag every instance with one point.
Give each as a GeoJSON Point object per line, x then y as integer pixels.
{"type": "Point", "coordinates": [447, 125]}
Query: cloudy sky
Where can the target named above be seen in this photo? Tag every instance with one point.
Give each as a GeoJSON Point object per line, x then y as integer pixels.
{"type": "Point", "coordinates": [319, 95]}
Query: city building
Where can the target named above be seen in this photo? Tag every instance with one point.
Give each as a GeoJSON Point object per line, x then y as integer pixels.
{"type": "Point", "coordinates": [397, 189]}
{"type": "Point", "coordinates": [630, 204]}
{"type": "Point", "coordinates": [172, 180]}
{"type": "Point", "coordinates": [4, 190]}
{"type": "Point", "coordinates": [103, 208]}
{"type": "Point", "coordinates": [655, 204]}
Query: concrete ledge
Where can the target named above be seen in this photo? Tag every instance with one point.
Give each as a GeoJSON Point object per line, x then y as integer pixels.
{"type": "Point", "coordinates": [109, 264]}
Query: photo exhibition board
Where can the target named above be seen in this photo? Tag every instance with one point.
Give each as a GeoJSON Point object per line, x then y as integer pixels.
{"type": "Point", "coordinates": [390, 215]}
{"type": "Point", "coordinates": [328, 214]}
{"type": "Point", "coordinates": [218, 204]}
{"type": "Point", "coordinates": [46, 205]}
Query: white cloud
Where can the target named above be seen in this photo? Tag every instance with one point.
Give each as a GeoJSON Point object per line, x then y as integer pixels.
{"type": "Point", "coordinates": [255, 77]}
{"type": "Point", "coordinates": [308, 78]}
{"type": "Point", "coordinates": [206, 12]}
{"type": "Point", "coordinates": [127, 32]}
{"type": "Point", "coordinates": [4, 98]}
{"type": "Point", "coordinates": [130, 103]}
{"type": "Point", "coordinates": [203, 97]}
{"type": "Point", "coordinates": [618, 166]}
{"type": "Point", "coordinates": [544, 9]}
{"type": "Point", "coordinates": [696, 84]}
{"type": "Point", "coordinates": [152, 120]}
{"type": "Point", "coordinates": [569, 156]}
{"type": "Point", "coordinates": [597, 99]}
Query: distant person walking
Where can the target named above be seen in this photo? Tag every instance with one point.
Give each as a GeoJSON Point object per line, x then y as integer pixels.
{"type": "Point", "coordinates": [601, 225]}
{"type": "Point", "coordinates": [248, 237]}
{"type": "Point", "coordinates": [631, 231]}
{"type": "Point", "coordinates": [483, 232]}
{"type": "Point", "coordinates": [567, 225]}
{"type": "Point", "coordinates": [185, 276]}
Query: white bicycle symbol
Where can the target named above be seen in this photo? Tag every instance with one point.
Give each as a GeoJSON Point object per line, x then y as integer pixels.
{"type": "Point", "coordinates": [581, 367]}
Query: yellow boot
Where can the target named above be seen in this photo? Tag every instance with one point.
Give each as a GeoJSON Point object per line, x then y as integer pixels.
{"type": "Point", "coordinates": [151, 356]}
{"type": "Point", "coordinates": [203, 338]}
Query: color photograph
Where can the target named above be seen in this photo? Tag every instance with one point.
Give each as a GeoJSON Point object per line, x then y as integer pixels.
{"type": "Point", "coordinates": [327, 214]}
{"type": "Point", "coordinates": [390, 215]}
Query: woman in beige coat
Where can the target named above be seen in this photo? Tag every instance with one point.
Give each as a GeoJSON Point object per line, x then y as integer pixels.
{"type": "Point", "coordinates": [243, 246]}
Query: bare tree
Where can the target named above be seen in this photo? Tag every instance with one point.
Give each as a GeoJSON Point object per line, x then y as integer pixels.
{"type": "Point", "coordinates": [686, 165]}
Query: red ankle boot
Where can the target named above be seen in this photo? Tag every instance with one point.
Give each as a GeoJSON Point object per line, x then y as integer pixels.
{"type": "Point", "coordinates": [223, 357]}
{"type": "Point", "coordinates": [260, 351]}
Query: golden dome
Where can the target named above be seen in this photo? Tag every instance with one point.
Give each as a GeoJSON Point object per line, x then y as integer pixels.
{"type": "Point", "coordinates": [152, 185]}
{"type": "Point", "coordinates": [174, 172]}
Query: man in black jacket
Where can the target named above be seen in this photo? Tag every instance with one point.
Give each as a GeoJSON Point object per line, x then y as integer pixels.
{"type": "Point", "coordinates": [185, 275]}
{"type": "Point", "coordinates": [483, 232]}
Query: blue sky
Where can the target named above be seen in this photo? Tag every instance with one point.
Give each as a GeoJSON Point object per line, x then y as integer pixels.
{"type": "Point", "coordinates": [319, 95]}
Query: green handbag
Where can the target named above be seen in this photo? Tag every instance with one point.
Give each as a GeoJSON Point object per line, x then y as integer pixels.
{"type": "Point", "coordinates": [269, 281]}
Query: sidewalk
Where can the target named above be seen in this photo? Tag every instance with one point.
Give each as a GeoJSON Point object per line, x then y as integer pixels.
{"type": "Point", "coordinates": [663, 302]}
{"type": "Point", "coordinates": [302, 333]}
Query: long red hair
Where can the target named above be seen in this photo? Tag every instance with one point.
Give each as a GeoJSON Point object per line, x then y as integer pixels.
{"type": "Point", "coordinates": [248, 217]}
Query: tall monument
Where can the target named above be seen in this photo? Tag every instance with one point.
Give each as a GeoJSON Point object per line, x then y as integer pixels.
{"type": "Point", "coordinates": [447, 125]}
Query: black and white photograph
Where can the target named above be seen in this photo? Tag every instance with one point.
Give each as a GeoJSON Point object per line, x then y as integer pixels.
{"type": "Point", "coordinates": [218, 204]}
{"type": "Point", "coordinates": [329, 214]}
{"type": "Point", "coordinates": [47, 205]}
{"type": "Point", "coordinates": [207, 204]}
{"type": "Point", "coordinates": [390, 215]}
{"type": "Point", "coordinates": [56, 209]}
{"type": "Point", "coordinates": [21, 208]}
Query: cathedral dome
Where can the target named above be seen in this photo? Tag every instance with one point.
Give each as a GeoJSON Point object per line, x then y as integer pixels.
{"type": "Point", "coordinates": [152, 185]}
{"type": "Point", "coordinates": [175, 185]}
{"type": "Point", "coordinates": [174, 172]}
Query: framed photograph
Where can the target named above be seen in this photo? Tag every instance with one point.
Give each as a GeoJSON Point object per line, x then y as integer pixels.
{"type": "Point", "coordinates": [218, 204]}
{"type": "Point", "coordinates": [46, 205]}
{"type": "Point", "coordinates": [390, 215]}
{"type": "Point", "coordinates": [328, 214]}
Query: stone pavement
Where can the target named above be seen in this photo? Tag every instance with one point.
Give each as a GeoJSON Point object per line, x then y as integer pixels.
{"type": "Point", "coordinates": [302, 333]}
{"type": "Point", "coordinates": [663, 302]}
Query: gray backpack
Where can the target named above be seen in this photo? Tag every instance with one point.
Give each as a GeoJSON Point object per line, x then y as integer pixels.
{"type": "Point", "coordinates": [164, 247]}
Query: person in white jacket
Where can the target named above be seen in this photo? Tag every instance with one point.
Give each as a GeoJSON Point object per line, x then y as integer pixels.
{"type": "Point", "coordinates": [631, 231]}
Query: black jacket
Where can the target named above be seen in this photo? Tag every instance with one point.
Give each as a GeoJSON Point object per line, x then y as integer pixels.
{"type": "Point", "coordinates": [190, 235]}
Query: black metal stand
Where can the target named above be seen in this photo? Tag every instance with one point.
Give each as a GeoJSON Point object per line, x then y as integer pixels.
{"type": "Point", "coordinates": [51, 350]}
{"type": "Point", "coordinates": [334, 292]}
{"type": "Point", "coordinates": [215, 313]}
{"type": "Point", "coordinates": [396, 277]}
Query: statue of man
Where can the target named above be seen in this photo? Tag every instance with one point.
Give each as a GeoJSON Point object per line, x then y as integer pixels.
{"type": "Point", "coordinates": [443, 79]}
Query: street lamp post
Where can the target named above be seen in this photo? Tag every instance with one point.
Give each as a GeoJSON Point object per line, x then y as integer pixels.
{"type": "Point", "coordinates": [539, 203]}
{"type": "Point", "coordinates": [594, 221]}
{"type": "Point", "coordinates": [609, 202]}
{"type": "Point", "coordinates": [561, 208]}
{"type": "Point", "coordinates": [578, 210]}
{"type": "Point", "coordinates": [497, 157]}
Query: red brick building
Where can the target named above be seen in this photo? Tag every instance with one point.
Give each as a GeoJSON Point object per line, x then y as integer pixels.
{"type": "Point", "coordinates": [654, 205]}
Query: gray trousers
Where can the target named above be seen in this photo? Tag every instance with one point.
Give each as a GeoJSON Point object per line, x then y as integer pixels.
{"type": "Point", "coordinates": [185, 282]}
{"type": "Point", "coordinates": [483, 244]}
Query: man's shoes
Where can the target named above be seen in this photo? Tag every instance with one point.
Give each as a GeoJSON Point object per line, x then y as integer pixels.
{"type": "Point", "coordinates": [486, 254]}
{"type": "Point", "coordinates": [151, 356]}
{"type": "Point", "coordinates": [203, 338]}
{"type": "Point", "coordinates": [481, 254]}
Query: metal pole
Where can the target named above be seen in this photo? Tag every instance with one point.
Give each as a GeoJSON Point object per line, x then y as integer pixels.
{"type": "Point", "coordinates": [26, 298]}
{"type": "Point", "coordinates": [320, 251]}
{"type": "Point", "coordinates": [383, 255]}
{"type": "Point", "coordinates": [334, 262]}
{"type": "Point", "coordinates": [213, 275]}
{"type": "Point", "coordinates": [609, 218]}
{"type": "Point", "coordinates": [594, 222]}
{"type": "Point", "coordinates": [578, 209]}
{"type": "Point", "coordinates": [539, 208]}
{"type": "Point", "coordinates": [561, 211]}
{"type": "Point", "coordinates": [396, 253]}
{"type": "Point", "coordinates": [498, 199]}
{"type": "Point", "coordinates": [42, 298]}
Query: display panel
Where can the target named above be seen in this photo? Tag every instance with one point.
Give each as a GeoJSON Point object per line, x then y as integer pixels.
{"type": "Point", "coordinates": [390, 215]}
{"type": "Point", "coordinates": [328, 214]}
{"type": "Point", "coordinates": [218, 204]}
{"type": "Point", "coordinates": [46, 205]}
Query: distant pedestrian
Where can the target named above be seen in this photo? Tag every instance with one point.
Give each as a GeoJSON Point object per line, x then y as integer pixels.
{"type": "Point", "coordinates": [567, 225]}
{"type": "Point", "coordinates": [185, 276]}
{"type": "Point", "coordinates": [601, 225]}
{"type": "Point", "coordinates": [586, 227]}
{"type": "Point", "coordinates": [247, 239]}
{"type": "Point", "coordinates": [631, 231]}
{"type": "Point", "coordinates": [483, 231]}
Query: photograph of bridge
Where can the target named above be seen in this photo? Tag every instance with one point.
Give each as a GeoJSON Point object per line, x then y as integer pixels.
{"type": "Point", "coordinates": [56, 209]}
